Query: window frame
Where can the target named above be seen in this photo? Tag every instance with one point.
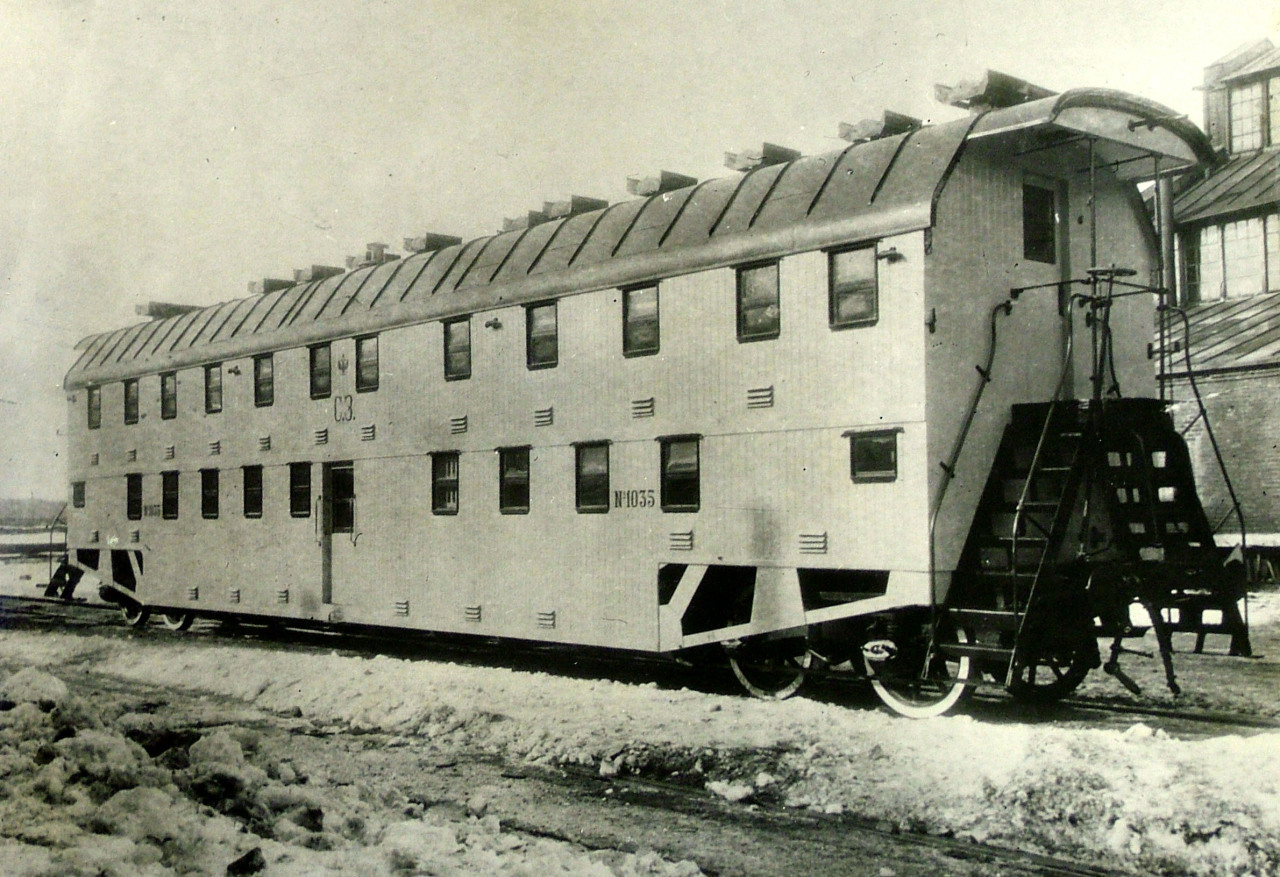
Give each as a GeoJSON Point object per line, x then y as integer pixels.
{"type": "Point", "coordinates": [581, 480]}
{"type": "Point", "coordinates": [168, 395]}
{"type": "Point", "coordinates": [93, 407]}
{"type": "Point", "coordinates": [264, 380]}
{"type": "Point", "coordinates": [1034, 247]}
{"type": "Point", "coordinates": [836, 295]}
{"type": "Point", "coordinates": [745, 334]}
{"type": "Point", "coordinates": [441, 482]}
{"type": "Point", "coordinates": [252, 494]}
{"type": "Point", "coordinates": [628, 348]}
{"type": "Point", "coordinates": [78, 494]}
{"type": "Point", "coordinates": [133, 496]}
{"type": "Point", "coordinates": [210, 494]}
{"type": "Point", "coordinates": [365, 382]}
{"type": "Point", "coordinates": [213, 388]}
{"type": "Point", "coordinates": [341, 503]}
{"type": "Point", "coordinates": [300, 490]}
{"type": "Point", "coordinates": [872, 476]}
{"type": "Point", "coordinates": [450, 373]}
{"type": "Point", "coordinates": [506, 484]}
{"type": "Point", "coordinates": [320, 388]}
{"type": "Point", "coordinates": [170, 494]}
{"type": "Point", "coordinates": [532, 363]}
{"type": "Point", "coordinates": [131, 401]}
{"type": "Point", "coordinates": [668, 502]}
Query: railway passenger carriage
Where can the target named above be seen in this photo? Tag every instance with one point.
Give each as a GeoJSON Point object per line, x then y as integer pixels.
{"type": "Point", "coordinates": [743, 412]}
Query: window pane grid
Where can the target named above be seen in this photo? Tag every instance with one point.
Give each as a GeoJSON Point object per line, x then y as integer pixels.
{"type": "Point", "coordinates": [444, 483]}
{"type": "Point", "coordinates": [1246, 116]}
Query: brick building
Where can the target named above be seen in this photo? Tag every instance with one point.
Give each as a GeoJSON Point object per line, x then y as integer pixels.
{"type": "Point", "coordinates": [1228, 228]}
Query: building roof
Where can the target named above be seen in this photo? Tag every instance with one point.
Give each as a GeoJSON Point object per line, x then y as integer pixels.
{"type": "Point", "coordinates": [861, 193]}
{"type": "Point", "coordinates": [1240, 333]}
{"type": "Point", "coordinates": [1246, 182]}
{"type": "Point", "coordinates": [1264, 63]}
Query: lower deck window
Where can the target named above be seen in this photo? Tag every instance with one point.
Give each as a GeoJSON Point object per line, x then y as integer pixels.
{"type": "Point", "coordinates": [681, 479]}
{"type": "Point", "coordinates": [77, 494]}
{"type": "Point", "coordinates": [873, 456]}
{"type": "Point", "coordinates": [342, 490]}
{"type": "Point", "coordinates": [513, 481]}
{"type": "Point", "coordinates": [209, 493]}
{"type": "Point", "coordinates": [133, 497]}
{"type": "Point", "coordinates": [252, 491]}
{"type": "Point", "coordinates": [444, 483]}
{"type": "Point", "coordinates": [169, 496]}
{"type": "Point", "coordinates": [300, 490]}
{"type": "Point", "coordinates": [591, 486]}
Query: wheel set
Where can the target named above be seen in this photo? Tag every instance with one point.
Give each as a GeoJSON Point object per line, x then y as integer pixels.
{"type": "Point", "coordinates": [137, 615]}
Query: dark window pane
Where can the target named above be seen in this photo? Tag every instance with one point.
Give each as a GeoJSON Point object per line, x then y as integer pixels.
{"type": "Point", "coordinates": [342, 489]}
{"type": "Point", "coordinates": [513, 480]}
{"type": "Point", "coordinates": [321, 372]}
{"type": "Point", "coordinates": [758, 314]}
{"type": "Point", "coordinates": [169, 495]}
{"type": "Point", "coordinates": [77, 494]}
{"type": "Point", "coordinates": [208, 493]}
{"type": "Point", "coordinates": [133, 497]}
{"type": "Point", "coordinates": [130, 401]}
{"type": "Point", "coordinates": [300, 490]}
{"type": "Point", "coordinates": [169, 395]}
{"type": "Point", "coordinates": [253, 491]}
{"type": "Point", "coordinates": [640, 327]}
{"type": "Point", "coordinates": [853, 294]}
{"type": "Point", "coordinates": [542, 347]}
{"type": "Point", "coordinates": [592, 487]}
{"type": "Point", "coordinates": [457, 349]}
{"type": "Point", "coordinates": [264, 381]}
{"type": "Point", "coordinates": [367, 364]}
{"type": "Point", "coordinates": [681, 490]}
{"type": "Point", "coordinates": [444, 483]}
{"type": "Point", "coordinates": [94, 400]}
{"type": "Point", "coordinates": [874, 456]}
{"type": "Point", "coordinates": [1039, 224]}
{"type": "Point", "coordinates": [213, 388]}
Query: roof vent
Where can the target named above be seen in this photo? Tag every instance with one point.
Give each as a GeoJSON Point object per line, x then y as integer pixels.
{"type": "Point", "coordinates": [315, 272]}
{"type": "Point", "coordinates": [374, 254]}
{"type": "Point", "coordinates": [767, 154]}
{"type": "Point", "coordinates": [572, 207]}
{"type": "Point", "coordinates": [430, 242]}
{"type": "Point", "coordinates": [665, 181]}
{"type": "Point", "coordinates": [268, 284]}
{"type": "Point", "coordinates": [529, 220]}
{"type": "Point", "coordinates": [990, 91]}
{"type": "Point", "coordinates": [873, 129]}
{"type": "Point", "coordinates": [162, 310]}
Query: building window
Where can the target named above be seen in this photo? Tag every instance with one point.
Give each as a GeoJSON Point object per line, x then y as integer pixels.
{"type": "Point", "coordinates": [264, 381]}
{"type": "Point", "coordinates": [321, 371]}
{"type": "Point", "coordinates": [252, 491]}
{"type": "Point", "coordinates": [444, 483]}
{"type": "Point", "coordinates": [681, 490]}
{"type": "Point", "coordinates": [209, 493]}
{"type": "Point", "coordinates": [457, 349]}
{"type": "Point", "coordinates": [852, 288]}
{"type": "Point", "coordinates": [168, 395]}
{"type": "Point", "coordinates": [367, 364]}
{"type": "Point", "coordinates": [758, 314]}
{"type": "Point", "coordinates": [133, 497]}
{"type": "Point", "coordinates": [169, 496]}
{"type": "Point", "coordinates": [640, 328]}
{"type": "Point", "coordinates": [873, 455]}
{"type": "Point", "coordinates": [1233, 259]}
{"type": "Point", "coordinates": [94, 399]}
{"type": "Point", "coordinates": [1039, 224]}
{"type": "Point", "coordinates": [213, 388]}
{"type": "Point", "coordinates": [541, 342]}
{"type": "Point", "coordinates": [131, 401]}
{"type": "Point", "coordinates": [513, 481]}
{"type": "Point", "coordinates": [77, 494]}
{"type": "Point", "coordinates": [300, 490]}
{"type": "Point", "coordinates": [342, 490]}
{"type": "Point", "coordinates": [1248, 105]}
{"type": "Point", "coordinates": [591, 485]}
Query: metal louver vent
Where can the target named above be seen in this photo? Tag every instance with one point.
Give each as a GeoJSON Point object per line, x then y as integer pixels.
{"type": "Point", "coordinates": [233, 595]}
{"type": "Point", "coordinates": [93, 460]}
{"type": "Point", "coordinates": [472, 614]}
{"type": "Point", "coordinates": [760, 397]}
{"type": "Point", "coordinates": [93, 536]}
{"type": "Point", "coordinates": [170, 452]}
{"type": "Point", "coordinates": [215, 448]}
{"type": "Point", "coordinates": [135, 535]}
{"type": "Point", "coordinates": [321, 436]}
{"type": "Point", "coordinates": [193, 594]}
{"type": "Point", "coordinates": [264, 443]}
{"type": "Point", "coordinates": [547, 620]}
{"type": "Point", "coordinates": [544, 417]}
{"type": "Point", "coordinates": [402, 608]}
{"type": "Point", "coordinates": [131, 455]}
{"type": "Point", "coordinates": [282, 596]}
{"type": "Point", "coordinates": [681, 541]}
{"type": "Point", "coordinates": [813, 543]}
{"type": "Point", "coordinates": [458, 425]}
{"type": "Point", "coordinates": [641, 408]}
{"type": "Point", "coordinates": [368, 433]}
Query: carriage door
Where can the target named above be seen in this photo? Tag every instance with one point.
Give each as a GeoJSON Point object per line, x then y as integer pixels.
{"type": "Point", "coordinates": [338, 526]}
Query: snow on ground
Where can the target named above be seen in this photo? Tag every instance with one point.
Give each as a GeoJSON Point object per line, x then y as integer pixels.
{"type": "Point", "coordinates": [1134, 799]}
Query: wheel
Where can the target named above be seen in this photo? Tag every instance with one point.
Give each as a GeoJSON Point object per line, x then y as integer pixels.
{"type": "Point", "coordinates": [177, 620]}
{"type": "Point", "coordinates": [908, 688]}
{"type": "Point", "coordinates": [1047, 671]}
{"type": "Point", "coordinates": [770, 669]}
{"type": "Point", "coordinates": [134, 614]}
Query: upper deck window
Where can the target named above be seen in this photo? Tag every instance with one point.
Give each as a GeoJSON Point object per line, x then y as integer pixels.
{"type": "Point", "coordinates": [513, 481]}
{"type": "Point", "coordinates": [264, 381]}
{"type": "Point", "coordinates": [541, 341]}
{"type": "Point", "coordinates": [640, 328]}
{"type": "Point", "coordinates": [367, 364]}
{"type": "Point", "coordinates": [213, 388]}
{"type": "Point", "coordinates": [93, 398]}
{"type": "Point", "coordinates": [758, 314]}
{"type": "Point", "coordinates": [1039, 223]}
{"type": "Point", "coordinates": [457, 349]}
{"type": "Point", "coordinates": [168, 395]}
{"type": "Point", "coordinates": [321, 371]}
{"type": "Point", "coordinates": [591, 484]}
{"type": "Point", "coordinates": [131, 401]}
{"type": "Point", "coordinates": [852, 288]}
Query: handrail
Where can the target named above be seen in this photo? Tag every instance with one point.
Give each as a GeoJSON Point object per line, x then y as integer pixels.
{"type": "Point", "coordinates": [49, 527]}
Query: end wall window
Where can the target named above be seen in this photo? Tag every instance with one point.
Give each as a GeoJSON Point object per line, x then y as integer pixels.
{"type": "Point", "coordinates": [93, 396]}
{"type": "Point", "coordinates": [444, 483]}
{"type": "Point", "coordinates": [209, 493]}
{"type": "Point", "coordinates": [681, 488]}
{"type": "Point", "coordinates": [321, 371]}
{"type": "Point", "coordinates": [367, 364]}
{"type": "Point", "coordinates": [169, 395]}
{"type": "Point", "coordinates": [591, 485]}
{"type": "Point", "coordinates": [1039, 224]}
{"type": "Point", "coordinates": [513, 481]}
{"type": "Point", "coordinates": [541, 344]}
{"type": "Point", "coordinates": [300, 490]}
{"type": "Point", "coordinates": [169, 496]}
{"type": "Point", "coordinates": [264, 381]}
{"type": "Point", "coordinates": [77, 494]}
{"type": "Point", "coordinates": [457, 349]}
{"type": "Point", "coordinates": [640, 328]}
{"type": "Point", "coordinates": [853, 298]}
{"type": "Point", "coordinates": [133, 497]}
{"type": "Point", "coordinates": [758, 314]}
{"type": "Point", "coordinates": [252, 491]}
{"type": "Point", "coordinates": [873, 456]}
{"type": "Point", "coordinates": [131, 401]}
{"type": "Point", "coordinates": [213, 388]}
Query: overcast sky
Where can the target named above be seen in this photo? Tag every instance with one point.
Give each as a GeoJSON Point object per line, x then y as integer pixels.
{"type": "Point", "coordinates": [176, 151]}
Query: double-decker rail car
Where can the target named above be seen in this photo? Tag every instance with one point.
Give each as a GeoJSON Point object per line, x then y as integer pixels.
{"type": "Point", "coordinates": [885, 410]}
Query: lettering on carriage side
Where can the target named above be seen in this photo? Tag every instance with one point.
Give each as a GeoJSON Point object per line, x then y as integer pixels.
{"type": "Point", "coordinates": [151, 511]}
{"type": "Point", "coordinates": [635, 499]}
{"type": "Point", "coordinates": [343, 410]}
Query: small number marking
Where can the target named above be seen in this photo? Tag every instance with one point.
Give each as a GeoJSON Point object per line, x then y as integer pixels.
{"type": "Point", "coordinates": [342, 409]}
{"type": "Point", "coordinates": [634, 499]}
